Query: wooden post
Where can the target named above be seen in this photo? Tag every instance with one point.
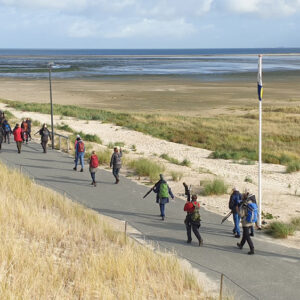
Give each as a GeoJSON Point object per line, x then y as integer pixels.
{"type": "Point", "coordinates": [68, 145]}
{"type": "Point", "coordinates": [125, 232]}
{"type": "Point", "coordinates": [59, 141]}
{"type": "Point", "coordinates": [221, 287]}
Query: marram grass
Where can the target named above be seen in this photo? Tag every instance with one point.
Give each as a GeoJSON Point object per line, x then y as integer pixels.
{"type": "Point", "coordinates": [52, 248]}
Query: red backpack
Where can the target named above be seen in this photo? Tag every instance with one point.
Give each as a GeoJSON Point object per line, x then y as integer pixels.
{"type": "Point", "coordinates": [80, 146]}
{"type": "Point", "coordinates": [94, 161]}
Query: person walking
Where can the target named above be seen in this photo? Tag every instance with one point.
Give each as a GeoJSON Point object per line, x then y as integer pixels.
{"type": "Point", "coordinates": [24, 127]}
{"type": "Point", "coordinates": [192, 220]}
{"type": "Point", "coordinates": [2, 134]}
{"type": "Point", "coordinates": [7, 131]}
{"type": "Point", "coordinates": [162, 191]}
{"type": "Point", "coordinates": [45, 136]}
{"type": "Point", "coordinates": [247, 195]}
{"type": "Point", "coordinates": [28, 121]}
{"type": "Point", "coordinates": [79, 154]}
{"type": "Point", "coordinates": [94, 163]}
{"type": "Point", "coordinates": [116, 163]}
{"type": "Point", "coordinates": [17, 132]}
{"type": "Point", "coordinates": [248, 213]}
{"type": "Point", "coordinates": [234, 203]}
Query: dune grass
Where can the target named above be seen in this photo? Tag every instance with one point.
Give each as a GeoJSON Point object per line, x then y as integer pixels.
{"type": "Point", "coordinates": [146, 167]}
{"type": "Point", "coordinates": [229, 137]}
{"type": "Point", "coordinates": [185, 162]}
{"type": "Point", "coordinates": [52, 248]}
{"type": "Point", "coordinates": [283, 230]}
{"type": "Point", "coordinates": [214, 187]}
{"type": "Point", "coordinates": [176, 176]}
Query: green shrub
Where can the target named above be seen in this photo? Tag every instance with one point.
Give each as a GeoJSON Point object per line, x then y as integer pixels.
{"type": "Point", "coordinates": [133, 147]}
{"type": "Point", "coordinates": [89, 137]}
{"type": "Point", "coordinates": [248, 179]}
{"type": "Point", "coordinates": [185, 163]}
{"type": "Point", "coordinates": [145, 167]}
{"type": "Point", "coordinates": [36, 123]}
{"type": "Point", "coordinates": [267, 216]}
{"type": "Point", "coordinates": [104, 157]}
{"type": "Point", "coordinates": [176, 176]}
{"type": "Point", "coordinates": [64, 127]}
{"type": "Point", "coordinates": [170, 159]}
{"type": "Point", "coordinates": [215, 187]}
{"type": "Point", "coordinates": [8, 115]}
{"type": "Point", "coordinates": [280, 229]}
{"type": "Point", "coordinates": [120, 144]}
{"type": "Point", "coordinates": [296, 223]}
{"type": "Point", "coordinates": [293, 166]}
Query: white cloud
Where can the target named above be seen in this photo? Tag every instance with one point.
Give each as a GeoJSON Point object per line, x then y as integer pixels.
{"type": "Point", "coordinates": [148, 28]}
{"type": "Point", "coordinates": [272, 8]}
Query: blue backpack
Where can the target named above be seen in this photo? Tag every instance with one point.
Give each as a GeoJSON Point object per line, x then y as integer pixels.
{"type": "Point", "coordinates": [7, 128]}
{"type": "Point", "coordinates": [251, 213]}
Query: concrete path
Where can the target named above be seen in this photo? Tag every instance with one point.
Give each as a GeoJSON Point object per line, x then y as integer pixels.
{"type": "Point", "coordinates": [272, 273]}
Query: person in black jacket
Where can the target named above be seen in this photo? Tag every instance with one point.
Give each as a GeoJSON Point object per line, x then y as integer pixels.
{"type": "Point", "coordinates": [116, 163]}
{"type": "Point", "coordinates": [45, 136]}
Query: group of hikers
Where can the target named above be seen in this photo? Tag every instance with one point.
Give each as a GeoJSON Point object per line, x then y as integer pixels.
{"type": "Point", "coordinates": [243, 207]}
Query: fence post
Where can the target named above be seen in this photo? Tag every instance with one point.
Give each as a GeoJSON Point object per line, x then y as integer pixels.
{"type": "Point", "coordinates": [59, 141]}
{"type": "Point", "coordinates": [125, 232]}
{"type": "Point", "coordinates": [68, 145]}
{"type": "Point", "coordinates": [221, 287]}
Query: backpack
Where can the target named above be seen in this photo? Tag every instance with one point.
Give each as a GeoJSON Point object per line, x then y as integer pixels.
{"type": "Point", "coordinates": [7, 128]}
{"type": "Point", "coordinates": [163, 190]}
{"type": "Point", "coordinates": [195, 217]}
{"type": "Point", "coordinates": [94, 161]}
{"type": "Point", "coordinates": [251, 213]}
{"type": "Point", "coordinates": [80, 145]}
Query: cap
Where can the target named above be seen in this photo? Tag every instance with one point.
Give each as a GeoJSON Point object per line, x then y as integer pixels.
{"type": "Point", "coordinates": [77, 136]}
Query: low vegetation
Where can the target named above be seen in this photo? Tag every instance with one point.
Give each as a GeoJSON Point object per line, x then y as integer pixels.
{"type": "Point", "coordinates": [214, 187]}
{"type": "Point", "coordinates": [146, 167]}
{"type": "Point", "coordinates": [229, 138]}
{"type": "Point", "coordinates": [87, 137]}
{"type": "Point", "coordinates": [175, 161]}
{"type": "Point", "coordinates": [283, 230]}
{"type": "Point", "coordinates": [176, 176]}
{"type": "Point", "coordinates": [52, 248]}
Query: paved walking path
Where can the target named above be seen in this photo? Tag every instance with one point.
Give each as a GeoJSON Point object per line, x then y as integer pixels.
{"type": "Point", "coordinates": [272, 273]}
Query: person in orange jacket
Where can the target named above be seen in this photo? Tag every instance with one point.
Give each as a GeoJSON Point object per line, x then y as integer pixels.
{"type": "Point", "coordinates": [17, 132]}
{"type": "Point", "coordinates": [192, 220]}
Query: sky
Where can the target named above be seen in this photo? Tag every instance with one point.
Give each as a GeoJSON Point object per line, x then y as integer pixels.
{"type": "Point", "coordinates": [136, 24]}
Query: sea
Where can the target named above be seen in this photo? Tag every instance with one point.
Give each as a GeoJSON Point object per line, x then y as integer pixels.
{"type": "Point", "coordinates": [203, 64]}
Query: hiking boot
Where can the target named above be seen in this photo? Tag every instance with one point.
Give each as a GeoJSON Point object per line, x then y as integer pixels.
{"type": "Point", "coordinates": [75, 169]}
{"type": "Point", "coordinates": [92, 183]}
{"type": "Point", "coordinates": [200, 243]}
{"type": "Point", "coordinates": [251, 234]}
{"type": "Point", "coordinates": [163, 218]}
{"type": "Point", "coordinates": [251, 252]}
{"type": "Point", "coordinates": [117, 181]}
{"type": "Point", "coordinates": [189, 241]}
{"type": "Point", "coordinates": [81, 170]}
{"type": "Point", "coordinates": [239, 245]}
{"type": "Point", "coordinates": [233, 231]}
{"type": "Point", "coordinates": [237, 236]}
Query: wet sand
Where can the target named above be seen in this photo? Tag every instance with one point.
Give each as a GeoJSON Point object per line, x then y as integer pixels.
{"type": "Point", "coordinates": [154, 94]}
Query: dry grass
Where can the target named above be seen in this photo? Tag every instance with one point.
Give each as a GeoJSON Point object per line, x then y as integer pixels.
{"type": "Point", "coordinates": [53, 248]}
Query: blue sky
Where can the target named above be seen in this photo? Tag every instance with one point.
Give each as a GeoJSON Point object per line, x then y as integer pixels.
{"type": "Point", "coordinates": [149, 23]}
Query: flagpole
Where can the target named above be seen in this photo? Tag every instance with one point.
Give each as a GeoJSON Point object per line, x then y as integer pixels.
{"type": "Point", "coordinates": [260, 93]}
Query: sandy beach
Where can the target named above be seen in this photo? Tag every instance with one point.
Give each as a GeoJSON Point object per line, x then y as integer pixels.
{"type": "Point", "coordinates": [155, 94]}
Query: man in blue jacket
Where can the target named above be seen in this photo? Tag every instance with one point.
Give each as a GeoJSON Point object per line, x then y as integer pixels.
{"type": "Point", "coordinates": [162, 191]}
{"type": "Point", "coordinates": [234, 204]}
{"type": "Point", "coordinates": [79, 154]}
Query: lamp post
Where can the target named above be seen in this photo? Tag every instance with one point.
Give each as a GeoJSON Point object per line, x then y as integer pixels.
{"type": "Point", "coordinates": [50, 65]}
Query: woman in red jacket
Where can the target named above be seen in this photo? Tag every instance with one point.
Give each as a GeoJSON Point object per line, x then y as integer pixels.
{"type": "Point", "coordinates": [192, 220]}
{"type": "Point", "coordinates": [17, 132]}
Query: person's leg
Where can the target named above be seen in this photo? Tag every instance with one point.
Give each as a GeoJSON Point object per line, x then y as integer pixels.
{"type": "Point", "coordinates": [236, 219]}
{"type": "Point", "coordinates": [188, 231]}
{"type": "Point", "coordinates": [45, 146]}
{"type": "Point", "coordinates": [93, 177]}
{"type": "Point", "coordinates": [76, 162]}
{"type": "Point", "coordinates": [8, 138]}
{"type": "Point", "coordinates": [81, 156]}
{"type": "Point", "coordinates": [162, 210]}
{"type": "Point", "coordinates": [243, 241]}
{"type": "Point", "coordinates": [249, 241]}
{"type": "Point", "coordinates": [117, 174]}
{"type": "Point", "coordinates": [0, 145]}
{"type": "Point", "coordinates": [197, 234]}
{"type": "Point", "coordinates": [19, 145]}
{"type": "Point", "coordinates": [251, 231]}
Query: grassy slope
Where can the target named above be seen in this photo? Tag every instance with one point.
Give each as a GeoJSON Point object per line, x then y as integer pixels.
{"type": "Point", "coordinates": [53, 248]}
{"type": "Point", "coordinates": [230, 136]}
